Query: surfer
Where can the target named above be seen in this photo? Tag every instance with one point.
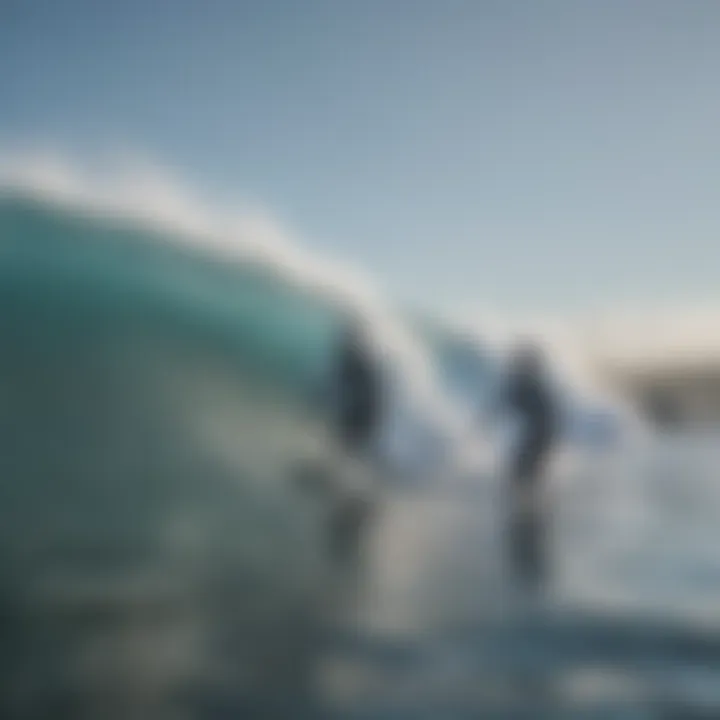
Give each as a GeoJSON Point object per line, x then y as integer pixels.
{"type": "Point", "coordinates": [358, 393]}
{"type": "Point", "coordinates": [359, 406]}
{"type": "Point", "coordinates": [529, 397]}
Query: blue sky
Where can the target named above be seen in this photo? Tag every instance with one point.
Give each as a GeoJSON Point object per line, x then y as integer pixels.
{"type": "Point", "coordinates": [529, 157]}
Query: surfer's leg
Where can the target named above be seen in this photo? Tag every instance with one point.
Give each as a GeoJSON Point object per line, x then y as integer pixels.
{"type": "Point", "coordinates": [523, 474]}
{"type": "Point", "coordinates": [526, 525]}
{"type": "Point", "coordinates": [529, 464]}
{"type": "Point", "coordinates": [353, 508]}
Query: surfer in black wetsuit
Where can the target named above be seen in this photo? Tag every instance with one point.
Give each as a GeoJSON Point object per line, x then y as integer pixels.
{"type": "Point", "coordinates": [359, 395]}
{"type": "Point", "coordinates": [529, 396]}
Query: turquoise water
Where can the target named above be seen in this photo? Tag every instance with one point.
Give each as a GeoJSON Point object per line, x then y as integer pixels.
{"type": "Point", "coordinates": [118, 268]}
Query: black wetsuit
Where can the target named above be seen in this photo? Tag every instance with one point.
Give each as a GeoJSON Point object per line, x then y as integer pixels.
{"type": "Point", "coordinates": [529, 397]}
{"type": "Point", "coordinates": [357, 422]}
{"type": "Point", "coordinates": [359, 399]}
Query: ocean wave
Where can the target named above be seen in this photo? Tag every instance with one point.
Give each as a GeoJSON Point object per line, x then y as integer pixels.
{"type": "Point", "coordinates": [161, 377]}
{"type": "Point", "coordinates": [240, 265]}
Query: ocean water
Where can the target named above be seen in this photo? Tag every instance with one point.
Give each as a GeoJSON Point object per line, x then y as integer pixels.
{"type": "Point", "coordinates": [160, 558]}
